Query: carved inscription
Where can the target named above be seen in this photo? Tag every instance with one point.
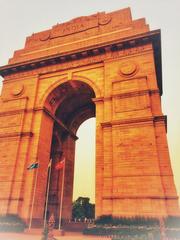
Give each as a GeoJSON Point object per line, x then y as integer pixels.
{"type": "Point", "coordinates": [80, 24]}
{"type": "Point", "coordinates": [74, 26]}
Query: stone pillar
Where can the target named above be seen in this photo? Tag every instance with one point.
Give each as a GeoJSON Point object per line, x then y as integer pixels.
{"type": "Point", "coordinates": [40, 151]}
{"type": "Point", "coordinates": [69, 154]}
{"type": "Point", "coordinates": [99, 157]}
{"type": "Point", "coordinates": [55, 184]}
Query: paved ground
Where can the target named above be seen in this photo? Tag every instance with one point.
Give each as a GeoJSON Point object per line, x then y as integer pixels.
{"type": "Point", "coordinates": [35, 236]}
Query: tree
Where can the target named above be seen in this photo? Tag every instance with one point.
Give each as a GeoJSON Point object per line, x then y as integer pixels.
{"type": "Point", "coordinates": [82, 208]}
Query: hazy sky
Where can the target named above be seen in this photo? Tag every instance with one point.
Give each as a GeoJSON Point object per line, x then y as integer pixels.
{"type": "Point", "coordinates": [20, 18]}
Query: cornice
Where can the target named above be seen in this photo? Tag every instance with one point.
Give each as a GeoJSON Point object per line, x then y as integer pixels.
{"type": "Point", "coordinates": [122, 122]}
{"type": "Point", "coordinates": [98, 49]}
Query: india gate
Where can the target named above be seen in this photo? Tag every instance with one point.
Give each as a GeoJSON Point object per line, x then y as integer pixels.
{"type": "Point", "coordinates": [106, 66]}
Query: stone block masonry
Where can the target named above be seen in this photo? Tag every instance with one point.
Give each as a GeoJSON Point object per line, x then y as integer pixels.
{"type": "Point", "coordinates": [107, 66]}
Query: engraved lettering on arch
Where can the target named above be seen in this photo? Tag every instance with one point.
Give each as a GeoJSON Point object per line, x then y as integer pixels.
{"type": "Point", "coordinates": [74, 26]}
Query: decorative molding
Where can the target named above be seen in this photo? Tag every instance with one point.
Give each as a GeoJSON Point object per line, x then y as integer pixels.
{"type": "Point", "coordinates": [12, 112]}
{"type": "Point", "coordinates": [135, 93]}
{"type": "Point", "coordinates": [97, 51]}
{"type": "Point", "coordinates": [11, 199]}
{"type": "Point", "coordinates": [128, 68]}
{"type": "Point", "coordinates": [126, 95]}
{"type": "Point", "coordinates": [140, 77]}
{"type": "Point", "coordinates": [134, 121]}
{"type": "Point", "coordinates": [17, 90]}
{"type": "Point", "coordinates": [143, 197]}
{"type": "Point", "coordinates": [138, 175]}
{"type": "Point", "coordinates": [16, 134]}
{"type": "Point", "coordinates": [104, 18]}
{"type": "Point", "coordinates": [98, 100]}
{"type": "Point", "coordinates": [14, 99]}
{"type": "Point", "coordinates": [162, 118]}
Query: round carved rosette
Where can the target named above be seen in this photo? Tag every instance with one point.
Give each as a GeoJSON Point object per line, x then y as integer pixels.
{"type": "Point", "coordinates": [104, 19]}
{"type": "Point", "coordinates": [17, 90]}
{"type": "Point", "coordinates": [44, 36]}
{"type": "Point", "coordinates": [128, 68]}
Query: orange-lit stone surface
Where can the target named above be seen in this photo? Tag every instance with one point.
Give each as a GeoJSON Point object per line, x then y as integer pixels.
{"type": "Point", "coordinates": [105, 65]}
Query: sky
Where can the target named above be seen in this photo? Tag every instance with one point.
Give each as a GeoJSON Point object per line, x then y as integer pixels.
{"type": "Point", "coordinates": [20, 18]}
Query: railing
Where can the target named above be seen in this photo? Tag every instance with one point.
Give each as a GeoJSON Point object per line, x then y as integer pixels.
{"type": "Point", "coordinates": [77, 220]}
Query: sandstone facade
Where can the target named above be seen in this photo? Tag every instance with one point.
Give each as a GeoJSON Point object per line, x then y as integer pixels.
{"type": "Point", "coordinates": [105, 65]}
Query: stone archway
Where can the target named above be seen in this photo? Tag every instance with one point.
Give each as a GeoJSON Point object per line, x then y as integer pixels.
{"type": "Point", "coordinates": [69, 104]}
{"type": "Point", "coordinates": [111, 65]}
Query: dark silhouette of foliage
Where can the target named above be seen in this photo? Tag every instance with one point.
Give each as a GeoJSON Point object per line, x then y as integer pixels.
{"type": "Point", "coordinates": [82, 209]}
{"type": "Point", "coordinates": [135, 221]}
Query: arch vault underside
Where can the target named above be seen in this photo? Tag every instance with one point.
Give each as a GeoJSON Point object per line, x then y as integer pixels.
{"type": "Point", "coordinates": [70, 105]}
{"type": "Point", "coordinates": [105, 65]}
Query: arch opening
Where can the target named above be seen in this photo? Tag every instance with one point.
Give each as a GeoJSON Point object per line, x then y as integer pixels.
{"type": "Point", "coordinates": [70, 104]}
{"type": "Point", "coordinates": [84, 172]}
